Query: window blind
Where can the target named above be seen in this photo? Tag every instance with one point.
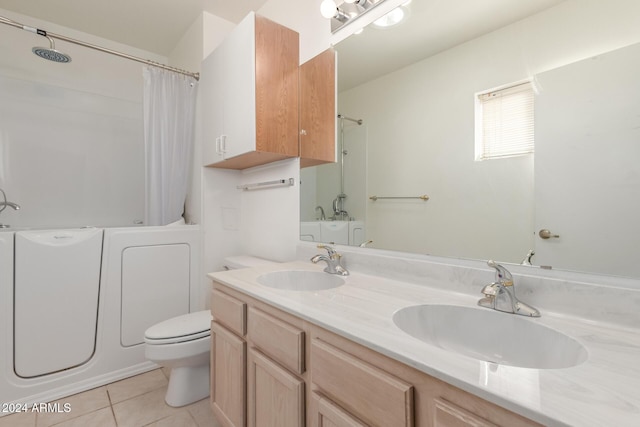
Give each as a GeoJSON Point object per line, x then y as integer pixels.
{"type": "Point", "coordinates": [506, 127]}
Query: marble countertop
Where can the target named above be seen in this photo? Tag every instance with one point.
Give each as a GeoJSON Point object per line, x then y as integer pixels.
{"type": "Point", "coordinates": [602, 391]}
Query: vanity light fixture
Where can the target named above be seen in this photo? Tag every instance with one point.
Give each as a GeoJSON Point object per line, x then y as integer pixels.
{"type": "Point", "coordinates": [330, 10]}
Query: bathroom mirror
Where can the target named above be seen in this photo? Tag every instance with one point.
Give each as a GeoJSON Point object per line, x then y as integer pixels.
{"type": "Point", "coordinates": [416, 95]}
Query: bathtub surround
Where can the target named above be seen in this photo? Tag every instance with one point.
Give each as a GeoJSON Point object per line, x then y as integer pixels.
{"type": "Point", "coordinates": [169, 103]}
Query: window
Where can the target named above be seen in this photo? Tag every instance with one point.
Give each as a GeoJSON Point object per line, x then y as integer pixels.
{"type": "Point", "coordinates": [504, 122]}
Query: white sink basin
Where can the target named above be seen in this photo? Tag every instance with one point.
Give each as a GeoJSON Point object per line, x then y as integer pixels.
{"type": "Point", "coordinates": [300, 280]}
{"type": "Point", "coordinates": [491, 336]}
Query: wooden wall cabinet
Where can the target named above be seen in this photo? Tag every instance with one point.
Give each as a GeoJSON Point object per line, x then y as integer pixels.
{"type": "Point", "coordinates": [286, 372]}
{"type": "Point", "coordinates": [250, 92]}
{"type": "Point", "coordinates": [318, 109]}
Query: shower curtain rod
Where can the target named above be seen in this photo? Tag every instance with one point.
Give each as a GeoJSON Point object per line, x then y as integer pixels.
{"type": "Point", "coordinates": [44, 33]}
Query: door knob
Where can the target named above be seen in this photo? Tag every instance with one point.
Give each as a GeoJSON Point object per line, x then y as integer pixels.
{"type": "Point", "coordinates": [546, 234]}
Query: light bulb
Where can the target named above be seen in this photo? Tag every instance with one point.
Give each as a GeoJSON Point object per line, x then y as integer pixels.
{"type": "Point", "coordinates": [328, 8]}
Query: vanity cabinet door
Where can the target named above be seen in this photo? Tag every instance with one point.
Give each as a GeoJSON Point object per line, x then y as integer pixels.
{"type": "Point", "coordinates": [228, 376]}
{"type": "Point", "coordinates": [275, 397]}
{"type": "Point", "coordinates": [318, 110]}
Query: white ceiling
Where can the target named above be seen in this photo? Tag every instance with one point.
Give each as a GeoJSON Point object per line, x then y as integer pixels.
{"type": "Point", "coordinates": [152, 25]}
{"type": "Point", "coordinates": [158, 25]}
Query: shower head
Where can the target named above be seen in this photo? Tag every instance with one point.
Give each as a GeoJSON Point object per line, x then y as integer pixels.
{"type": "Point", "coordinates": [51, 53]}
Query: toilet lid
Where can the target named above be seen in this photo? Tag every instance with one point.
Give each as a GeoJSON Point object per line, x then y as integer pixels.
{"type": "Point", "coordinates": [186, 327]}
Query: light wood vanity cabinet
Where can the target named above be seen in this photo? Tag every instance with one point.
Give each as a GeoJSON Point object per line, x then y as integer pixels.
{"type": "Point", "coordinates": [268, 363]}
{"type": "Point", "coordinates": [250, 94]}
{"type": "Point", "coordinates": [289, 372]}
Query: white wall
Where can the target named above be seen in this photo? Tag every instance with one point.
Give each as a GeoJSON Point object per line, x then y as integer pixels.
{"type": "Point", "coordinates": [429, 148]}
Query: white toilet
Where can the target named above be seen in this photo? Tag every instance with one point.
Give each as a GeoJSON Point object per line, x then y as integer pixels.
{"type": "Point", "coordinates": [183, 344]}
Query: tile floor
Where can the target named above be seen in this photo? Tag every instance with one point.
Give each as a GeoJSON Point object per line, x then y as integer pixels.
{"type": "Point", "coordinates": [133, 402]}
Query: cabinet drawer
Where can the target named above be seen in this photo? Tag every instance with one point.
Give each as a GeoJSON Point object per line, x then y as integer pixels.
{"type": "Point", "coordinates": [369, 393]}
{"type": "Point", "coordinates": [280, 340]}
{"type": "Point", "coordinates": [229, 311]}
{"type": "Point", "coordinates": [446, 414]}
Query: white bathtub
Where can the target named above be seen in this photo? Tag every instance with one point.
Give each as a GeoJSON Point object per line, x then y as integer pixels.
{"type": "Point", "coordinates": [146, 274]}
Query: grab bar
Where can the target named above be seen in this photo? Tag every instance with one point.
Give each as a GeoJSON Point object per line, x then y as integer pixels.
{"type": "Point", "coordinates": [277, 183]}
{"type": "Point", "coordinates": [423, 197]}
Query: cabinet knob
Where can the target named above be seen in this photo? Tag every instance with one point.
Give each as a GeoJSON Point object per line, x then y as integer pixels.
{"type": "Point", "coordinates": [303, 132]}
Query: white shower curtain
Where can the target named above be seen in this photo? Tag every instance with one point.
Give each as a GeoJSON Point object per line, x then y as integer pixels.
{"type": "Point", "coordinates": [169, 116]}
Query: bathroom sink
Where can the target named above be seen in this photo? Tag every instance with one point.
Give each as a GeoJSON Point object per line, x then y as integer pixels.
{"type": "Point", "coordinates": [300, 280]}
{"type": "Point", "coordinates": [491, 336]}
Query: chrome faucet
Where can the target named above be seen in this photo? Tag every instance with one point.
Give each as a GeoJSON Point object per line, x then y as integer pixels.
{"type": "Point", "coordinates": [501, 294]}
{"type": "Point", "coordinates": [322, 216]}
{"type": "Point", "coordinates": [332, 259]}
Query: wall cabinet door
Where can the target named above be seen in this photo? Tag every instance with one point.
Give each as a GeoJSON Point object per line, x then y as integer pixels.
{"type": "Point", "coordinates": [211, 94]}
{"type": "Point", "coordinates": [228, 376]}
{"type": "Point", "coordinates": [275, 397]}
{"type": "Point", "coordinates": [238, 66]}
{"type": "Point", "coordinates": [318, 110]}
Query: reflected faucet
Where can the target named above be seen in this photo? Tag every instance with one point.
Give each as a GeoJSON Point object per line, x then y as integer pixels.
{"type": "Point", "coordinates": [15, 206]}
{"type": "Point", "coordinates": [527, 258]}
{"type": "Point", "coordinates": [322, 216]}
{"type": "Point", "coordinates": [332, 259]}
{"type": "Point", "coordinates": [4, 203]}
{"type": "Point", "coordinates": [338, 207]}
{"type": "Point", "coordinates": [501, 294]}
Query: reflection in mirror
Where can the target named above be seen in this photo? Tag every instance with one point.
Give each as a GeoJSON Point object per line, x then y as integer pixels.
{"type": "Point", "coordinates": [419, 130]}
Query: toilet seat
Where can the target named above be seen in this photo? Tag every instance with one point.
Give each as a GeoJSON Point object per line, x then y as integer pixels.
{"type": "Point", "coordinates": [187, 327]}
